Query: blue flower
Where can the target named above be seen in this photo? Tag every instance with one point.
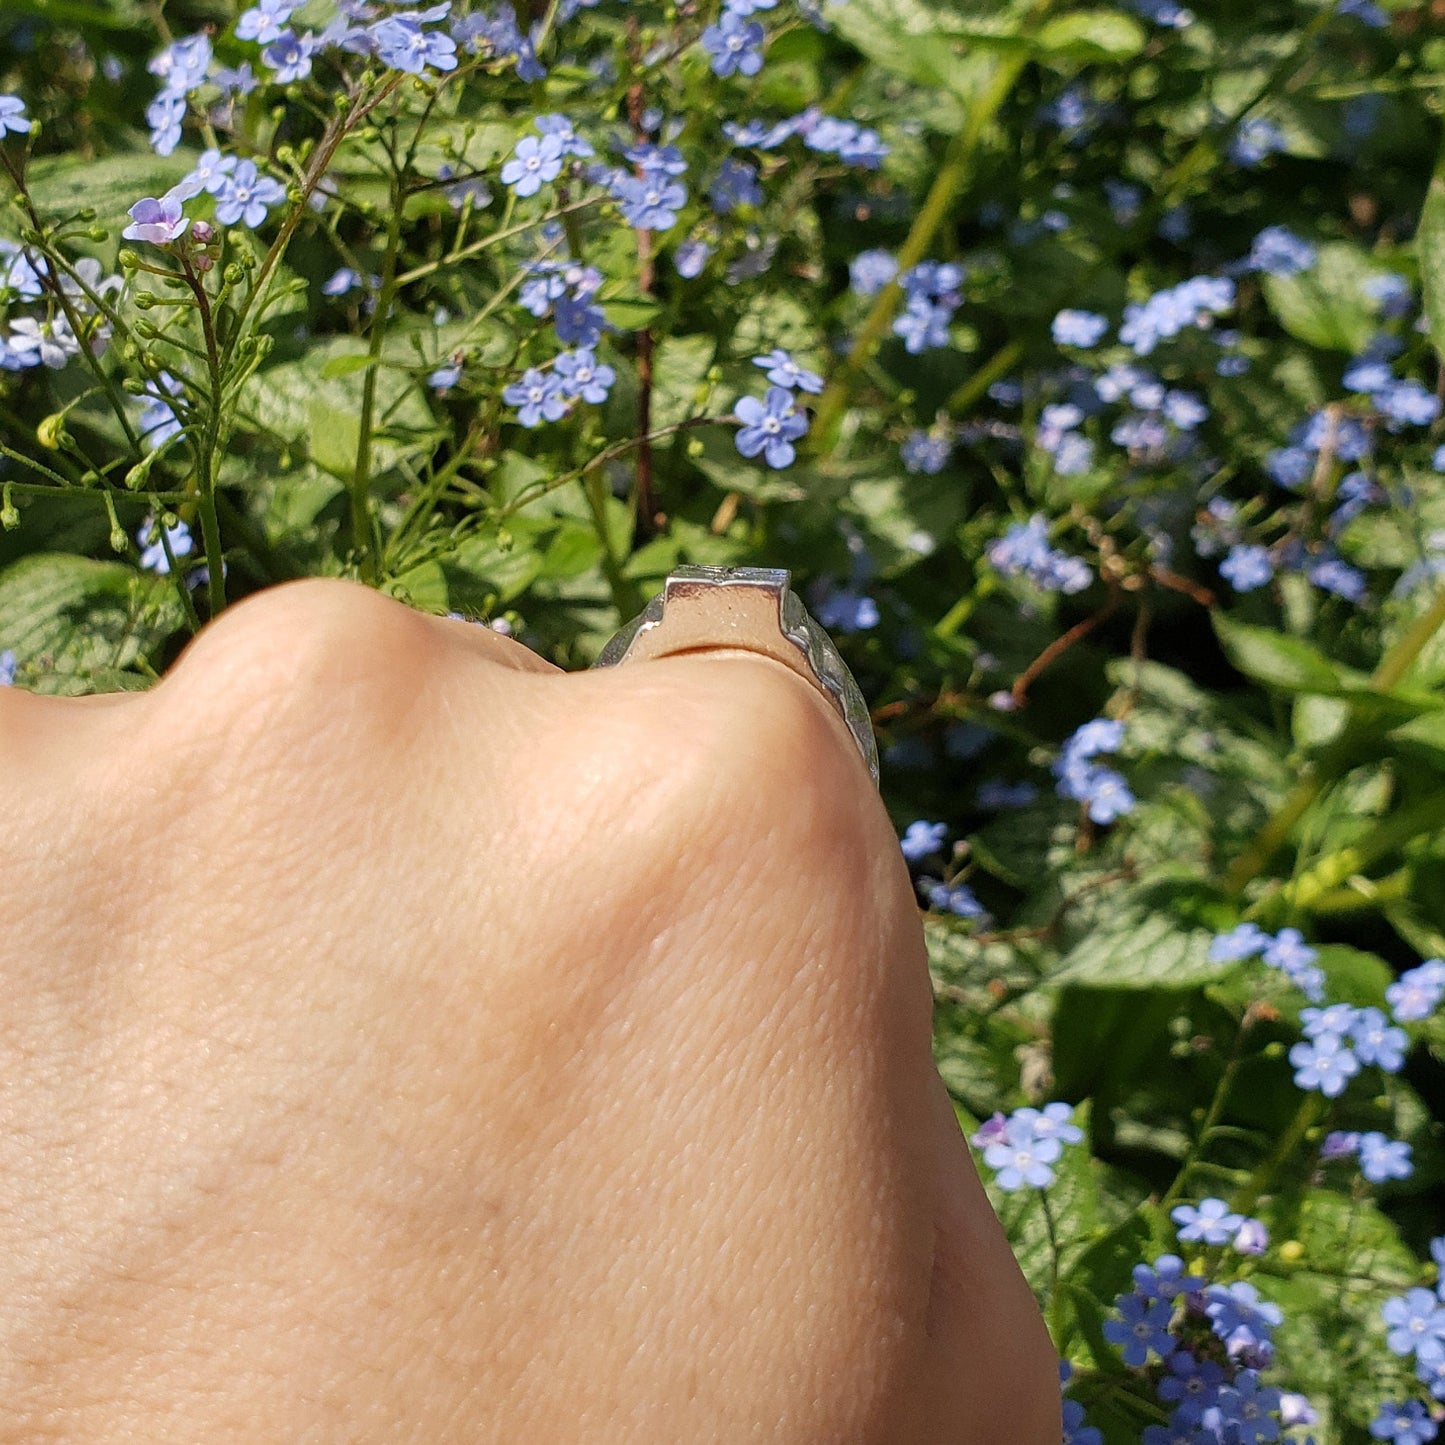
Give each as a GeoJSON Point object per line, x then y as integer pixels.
{"type": "Point", "coordinates": [12, 115]}
{"type": "Point", "coordinates": [1166, 1279]}
{"type": "Point", "coordinates": [736, 184]}
{"type": "Point", "coordinates": [538, 396]}
{"type": "Point", "coordinates": [445, 377]}
{"type": "Point", "coordinates": [154, 558]}
{"type": "Point", "coordinates": [1166, 313]}
{"type": "Point", "coordinates": [1416, 1323]}
{"type": "Point", "coordinates": [1078, 328]}
{"type": "Point", "coordinates": [1024, 549]}
{"type": "Point", "coordinates": [1210, 1223]}
{"type": "Point", "coordinates": [1289, 466]}
{"type": "Point", "coordinates": [1144, 1327]}
{"type": "Point", "coordinates": [1247, 567]}
{"type": "Point", "coordinates": [844, 609]}
{"type": "Point", "coordinates": [1406, 1424]}
{"type": "Point", "coordinates": [7, 668]}
{"type": "Point", "coordinates": [1192, 1386]}
{"type": "Point", "coordinates": [1383, 1158]}
{"type": "Point", "coordinates": [263, 22]}
{"type": "Point", "coordinates": [1241, 1319]}
{"type": "Point", "coordinates": [289, 56]}
{"type": "Point", "coordinates": [1245, 940]}
{"type": "Point", "coordinates": [158, 221]}
{"type": "Point", "coordinates": [1377, 1041]}
{"type": "Point", "coordinates": [561, 127]}
{"type": "Point", "coordinates": [782, 370]}
{"type": "Point", "coordinates": [870, 271]}
{"type": "Point", "coordinates": [957, 898]}
{"type": "Point", "coordinates": [1294, 958]}
{"type": "Point", "coordinates": [690, 257]}
{"type": "Point", "coordinates": [1407, 403]}
{"type": "Point", "coordinates": [651, 202]}
{"type": "Point", "coordinates": [164, 116]}
{"type": "Point", "coordinates": [1076, 1432]}
{"type": "Point", "coordinates": [770, 426]}
{"type": "Point", "coordinates": [1391, 292]}
{"type": "Point", "coordinates": [1325, 1063]}
{"type": "Point", "coordinates": [404, 45]}
{"type": "Point", "coordinates": [1330, 574]}
{"type": "Point", "coordinates": [1339, 1144]}
{"type": "Point", "coordinates": [246, 196]}
{"type": "Point", "coordinates": [1252, 1238]}
{"type": "Point", "coordinates": [1017, 1156]}
{"type": "Point", "coordinates": [925, 452]}
{"type": "Point", "coordinates": [1416, 994]}
{"type": "Point", "coordinates": [734, 45]}
{"type": "Point", "coordinates": [583, 376]}
{"type": "Point", "coordinates": [536, 159]}
{"type": "Point", "coordinates": [1249, 1408]}
{"type": "Point", "coordinates": [1279, 252]}
{"type": "Point", "coordinates": [1255, 139]}
{"type": "Point", "coordinates": [923, 324]}
{"type": "Point", "coordinates": [1053, 1121]}
{"type": "Point", "coordinates": [209, 174]}
{"type": "Point", "coordinates": [921, 838]}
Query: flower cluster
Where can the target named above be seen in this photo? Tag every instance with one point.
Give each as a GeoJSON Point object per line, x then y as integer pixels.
{"type": "Point", "coordinates": [1102, 790]}
{"type": "Point", "coordinates": [1022, 1148]}
{"type": "Point", "coordinates": [1025, 550]}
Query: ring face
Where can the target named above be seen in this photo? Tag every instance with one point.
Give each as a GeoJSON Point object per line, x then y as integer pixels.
{"type": "Point", "coordinates": [753, 609]}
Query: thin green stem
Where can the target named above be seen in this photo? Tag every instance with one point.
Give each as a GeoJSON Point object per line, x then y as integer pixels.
{"type": "Point", "coordinates": [1309, 1113]}
{"type": "Point", "coordinates": [952, 176]}
{"type": "Point", "coordinates": [360, 485]}
{"type": "Point", "coordinates": [1337, 756]}
{"type": "Point", "coordinates": [626, 597]}
{"type": "Point", "coordinates": [1056, 1295]}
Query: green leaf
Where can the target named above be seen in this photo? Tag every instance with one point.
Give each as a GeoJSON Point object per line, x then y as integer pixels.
{"type": "Point", "coordinates": [1423, 736]}
{"type": "Point", "coordinates": [1327, 305]}
{"type": "Point", "coordinates": [1275, 659]}
{"type": "Point", "coordinates": [1430, 247]}
{"type": "Point", "coordinates": [346, 365]}
{"type": "Point", "coordinates": [1140, 946]}
{"type": "Point", "coordinates": [905, 37]}
{"type": "Point", "coordinates": [79, 626]}
{"type": "Point", "coordinates": [1088, 36]}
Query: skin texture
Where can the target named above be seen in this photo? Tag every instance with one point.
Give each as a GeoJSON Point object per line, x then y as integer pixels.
{"type": "Point", "coordinates": [406, 1041]}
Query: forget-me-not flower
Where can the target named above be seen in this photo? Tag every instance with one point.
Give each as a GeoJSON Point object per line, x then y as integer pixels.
{"type": "Point", "coordinates": [770, 426]}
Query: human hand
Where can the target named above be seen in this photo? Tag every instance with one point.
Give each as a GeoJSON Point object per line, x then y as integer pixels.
{"type": "Point", "coordinates": [406, 1041]}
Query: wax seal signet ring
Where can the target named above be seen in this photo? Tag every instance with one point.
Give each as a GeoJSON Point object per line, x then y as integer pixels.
{"type": "Point", "coordinates": [752, 609]}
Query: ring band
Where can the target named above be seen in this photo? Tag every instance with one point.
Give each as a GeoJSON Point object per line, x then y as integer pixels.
{"type": "Point", "coordinates": [752, 609]}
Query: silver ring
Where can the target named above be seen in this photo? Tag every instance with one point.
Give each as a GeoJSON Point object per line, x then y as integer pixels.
{"type": "Point", "coordinates": [752, 609]}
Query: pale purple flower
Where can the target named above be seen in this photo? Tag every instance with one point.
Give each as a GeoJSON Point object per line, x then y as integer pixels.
{"type": "Point", "coordinates": [158, 221]}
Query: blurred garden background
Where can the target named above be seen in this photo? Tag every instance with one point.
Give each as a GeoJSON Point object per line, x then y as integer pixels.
{"type": "Point", "coordinates": [1083, 366]}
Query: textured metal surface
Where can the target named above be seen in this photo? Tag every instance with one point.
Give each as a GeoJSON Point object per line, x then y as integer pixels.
{"type": "Point", "coordinates": [752, 609]}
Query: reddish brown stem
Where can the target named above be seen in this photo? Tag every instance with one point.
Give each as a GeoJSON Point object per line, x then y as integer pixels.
{"type": "Point", "coordinates": [1061, 645]}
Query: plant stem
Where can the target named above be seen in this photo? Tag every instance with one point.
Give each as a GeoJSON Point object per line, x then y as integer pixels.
{"type": "Point", "coordinates": [360, 485]}
{"type": "Point", "coordinates": [1306, 1117]}
{"type": "Point", "coordinates": [625, 594]}
{"type": "Point", "coordinates": [947, 184]}
{"type": "Point", "coordinates": [1056, 1297]}
{"type": "Point", "coordinates": [1337, 756]}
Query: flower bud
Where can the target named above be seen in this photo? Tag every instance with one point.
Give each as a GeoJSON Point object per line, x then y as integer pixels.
{"type": "Point", "coordinates": [203, 263]}
{"type": "Point", "coordinates": [203, 233]}
{"type": "Point", "coordinates": [51, 433]}
{"type": "Point", "coordinates": [128, 259]}
{"type": "Point", "coordinates": [144, 300]}
{"type": "Point", "coordinates": [232, 275]}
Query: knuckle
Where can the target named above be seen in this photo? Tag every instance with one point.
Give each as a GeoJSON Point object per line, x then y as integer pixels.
{"type": "Point", "coordinates": [745, 763]}
{"type": "Point", "coordinates": [301, 647]}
